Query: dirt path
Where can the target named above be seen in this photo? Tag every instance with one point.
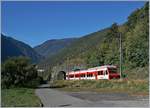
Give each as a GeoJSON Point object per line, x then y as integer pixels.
{"type": "Point", "coordinates": [54, 98]}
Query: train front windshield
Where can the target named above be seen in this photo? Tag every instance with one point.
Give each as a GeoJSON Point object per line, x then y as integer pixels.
{"type": "Point", "coordinates": [112, 70]}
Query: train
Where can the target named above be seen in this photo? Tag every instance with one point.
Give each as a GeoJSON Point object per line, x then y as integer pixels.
{"type": "Point", "coordinates": [102, 72]}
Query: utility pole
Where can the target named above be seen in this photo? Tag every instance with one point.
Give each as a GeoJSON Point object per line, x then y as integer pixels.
{"type": "Point", "coordinates": [120, 36]}
{"type": "Point", "coordinates": [68, 66]}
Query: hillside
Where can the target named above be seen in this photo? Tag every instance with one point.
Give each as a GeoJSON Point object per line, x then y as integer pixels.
{"type": "Point", "coordinates": [76, 50]}
{"type": "Point", "coordinates": [11, 48]}
{"type": "Point", "coordinates": [102, 47]}
{"type": "Point", "coordinates": [51, 47]}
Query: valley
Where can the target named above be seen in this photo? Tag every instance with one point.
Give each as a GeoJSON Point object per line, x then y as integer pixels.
{"type": "Point", "coordinates": [37, 76]}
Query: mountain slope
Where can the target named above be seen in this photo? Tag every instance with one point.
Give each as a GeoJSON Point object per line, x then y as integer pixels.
{"type": "Point", "coordinates": [77, 50]}
{"type": "Point", "coordinates": [13, 48]}
{"type": "Point", "coordinates": [51, 47]}
{"type": "Point", "coordinates": [102, 47]}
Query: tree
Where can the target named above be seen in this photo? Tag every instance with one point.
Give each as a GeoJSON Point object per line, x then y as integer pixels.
{"type": "Point", "coordinates": [92, 59]}
{"type": "Point", "coordinates": [137, 46]}
{"type": "Point", "coordinates": [137, 38]}
{"type": "Point", "coordinates": [18, 71]}
{"type": "Point", "coordinates": [112, 41]}
{"type": "Point", "coordinates": [113, 32]}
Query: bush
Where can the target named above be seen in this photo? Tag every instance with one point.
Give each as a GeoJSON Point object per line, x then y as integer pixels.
{"type": "Point", "coordinates": [34, 83]}
{"type": "Point", "coordinates": [19, 72]}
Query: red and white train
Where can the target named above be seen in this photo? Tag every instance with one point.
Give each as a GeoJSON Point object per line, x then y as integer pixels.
{"type": "Point", "coordinates": [102, 72]}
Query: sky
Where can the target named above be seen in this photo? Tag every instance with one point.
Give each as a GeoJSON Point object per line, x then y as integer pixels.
{"type": "Point", "coordinates": [35, 22]}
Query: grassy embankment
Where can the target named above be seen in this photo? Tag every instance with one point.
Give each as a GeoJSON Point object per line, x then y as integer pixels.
{"type": "Point", "coordinates": [19, 97]}
{"type": "Point", "coordinates": [128, 86]}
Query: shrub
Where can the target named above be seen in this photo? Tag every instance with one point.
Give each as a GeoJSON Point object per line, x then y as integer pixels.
{"type": "Point", "coordinates": [34, 83]}
{"type": "Point", "coordinates": [19, 72]}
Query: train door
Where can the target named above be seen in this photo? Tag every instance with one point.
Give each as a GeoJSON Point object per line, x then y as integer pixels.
{"type": "Point", "coordinates": [106, 74]}
{"type": "Point", "coordinates": [95, 75]}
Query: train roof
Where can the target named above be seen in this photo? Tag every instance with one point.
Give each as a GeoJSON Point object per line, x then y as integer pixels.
{"type": "Point", "coordinates": [94, 68]}
{"type": "Point", "coordinates": [105, 66]}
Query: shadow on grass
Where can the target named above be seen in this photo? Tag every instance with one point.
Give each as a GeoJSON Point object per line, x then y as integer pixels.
{"type": "Point", "coordinates": [57, 86]}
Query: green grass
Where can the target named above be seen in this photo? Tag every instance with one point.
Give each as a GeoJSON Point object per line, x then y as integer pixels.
{"type": "Point", "coordinates": [128, 86]}
{"type": "Point", "coordinates": [138, 73]}
{"type": "Point", "coordinates": [19, 97]}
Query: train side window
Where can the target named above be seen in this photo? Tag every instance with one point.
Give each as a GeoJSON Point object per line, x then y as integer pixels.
{"type": "Point", "coordinates": [71, 76]}
{"type": "Point", "coordinates": [100, 72]}
{"type": "Point", "coordinates": [82, 75]}
{"type": "Point", "coordinates": [106, 72]}
{"type": "Point", "coordinates": [89, 75]}
{"type": "Point", "coordinates": [76, 75]}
